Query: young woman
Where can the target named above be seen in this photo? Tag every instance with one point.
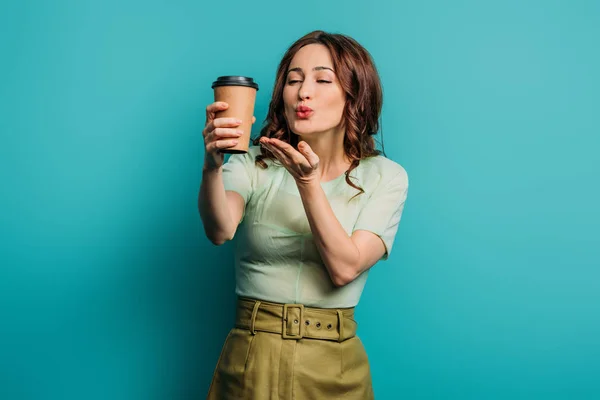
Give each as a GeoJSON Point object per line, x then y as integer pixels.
{"type": "Point", "coordinates": [313, 206]}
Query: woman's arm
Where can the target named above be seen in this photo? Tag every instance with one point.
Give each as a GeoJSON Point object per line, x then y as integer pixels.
{"type": "Point", "coordinates": [345, 257]}
{"type": "Point", "coordinates": [220, 210]}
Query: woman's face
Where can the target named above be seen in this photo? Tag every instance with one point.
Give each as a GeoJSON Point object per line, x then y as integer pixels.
{"type": "Point", "coordinates": [312, 96]}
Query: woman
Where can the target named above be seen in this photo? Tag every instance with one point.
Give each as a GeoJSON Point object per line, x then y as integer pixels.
{"type": "Point", "coordinates": [313, 208]}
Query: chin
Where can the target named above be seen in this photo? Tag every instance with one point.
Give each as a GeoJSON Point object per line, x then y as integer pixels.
{"type": "Point", "coordinates": [305, 134]}
{"type": "Point", "coordinates": [302, 129]}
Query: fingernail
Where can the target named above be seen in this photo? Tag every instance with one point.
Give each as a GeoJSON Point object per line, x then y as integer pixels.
{"type": "Point", "coordinates": [239, 132]}
{"type": "Point", "coordinates": [239, 121]}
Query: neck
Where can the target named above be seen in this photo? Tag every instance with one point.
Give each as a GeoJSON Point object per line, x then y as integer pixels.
{"type": "Point", "coordinates": [330, 149]}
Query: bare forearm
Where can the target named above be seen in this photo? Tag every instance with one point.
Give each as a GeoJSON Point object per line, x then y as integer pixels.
{"type": "Point", "coordinates": [339, 253]}
{"type": "Point", "coordinates": [214, 211]}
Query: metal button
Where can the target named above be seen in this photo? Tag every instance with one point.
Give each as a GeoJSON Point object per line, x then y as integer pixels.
{"type": "Point", "coordinates": [329, 326]}
{"type": "Point", "coordinates": [296, 321]}
{"type": "Point", "coordinates": [318, 324]}
{"type": "Point", "coordinates": [307, 322]}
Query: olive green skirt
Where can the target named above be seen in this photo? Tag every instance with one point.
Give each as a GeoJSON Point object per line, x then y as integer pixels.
{"type": "Point", "coordinates": [288, 351]}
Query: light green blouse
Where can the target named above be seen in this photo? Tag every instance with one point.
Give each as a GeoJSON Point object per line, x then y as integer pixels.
{"type": "Point", "coordinates": [276, 257]}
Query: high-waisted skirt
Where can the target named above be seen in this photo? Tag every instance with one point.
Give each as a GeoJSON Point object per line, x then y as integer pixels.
{"type": "Point", "coordinates": [289, 351]}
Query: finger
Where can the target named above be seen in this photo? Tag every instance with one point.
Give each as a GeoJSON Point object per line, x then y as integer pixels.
{"type": "Point", "coordinates": [213, 108]}
{"type": "Point", "coordinates": [275, 151]}
{"type": "Point", "coordinates": [311, 156]}
{"type": "Point", "coordinates": [227, 122]}
{"type": "Point", "coordinates": [285, 147]}
{"type": "Point", "coordinates": [221, 123]}
{"type": "Point", "coordinates": [253, 119]}
{"type": "Point", "coordinates": [289, 150]}
{"type": "Point", "coordinates": [220, 133]}
{"type": "Point", "coordinates": [282, 157]}
{"type": "Point", "coordinates": [221, 144]}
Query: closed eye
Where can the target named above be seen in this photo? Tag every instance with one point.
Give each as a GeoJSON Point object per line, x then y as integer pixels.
{"type": "Point", "coordinates": [291, 82]}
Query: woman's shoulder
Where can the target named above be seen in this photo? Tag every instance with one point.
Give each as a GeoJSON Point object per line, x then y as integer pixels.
{"type": "Point", "coordinates": [384, 169]}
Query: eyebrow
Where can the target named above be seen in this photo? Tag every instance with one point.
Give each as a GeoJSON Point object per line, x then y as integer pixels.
{"type": "Point", "coordinates": [319, 68]}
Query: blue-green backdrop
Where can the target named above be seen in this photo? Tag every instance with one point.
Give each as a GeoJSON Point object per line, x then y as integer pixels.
{"type": "Point", "coordinates": [108, 288]}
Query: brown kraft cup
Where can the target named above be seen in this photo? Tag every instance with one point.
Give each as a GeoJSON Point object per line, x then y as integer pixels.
{"type": "Point", "coordinates": [240, 93]}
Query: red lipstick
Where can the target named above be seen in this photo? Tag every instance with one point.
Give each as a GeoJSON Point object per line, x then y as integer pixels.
{"type": "Point", "coordinates": [303, 111]}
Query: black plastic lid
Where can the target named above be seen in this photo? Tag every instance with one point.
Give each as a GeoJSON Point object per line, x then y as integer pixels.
{"type": "Point", "coordinates": [235, 81]}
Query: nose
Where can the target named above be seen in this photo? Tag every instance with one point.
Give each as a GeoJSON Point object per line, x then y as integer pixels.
{"type": "Point", "coordinates": [304, 92]}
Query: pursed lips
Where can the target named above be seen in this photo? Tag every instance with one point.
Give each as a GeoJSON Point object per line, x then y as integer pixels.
{"type": "Point", "coordinates": [303, 109]}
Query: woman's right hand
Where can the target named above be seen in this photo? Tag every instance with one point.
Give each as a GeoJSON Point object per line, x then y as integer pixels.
{"type": "Point", "coordinates": [219, 134]}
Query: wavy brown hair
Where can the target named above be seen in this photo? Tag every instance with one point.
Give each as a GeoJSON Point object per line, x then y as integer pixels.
{"type": "Point", "coordinates": [360, 81]}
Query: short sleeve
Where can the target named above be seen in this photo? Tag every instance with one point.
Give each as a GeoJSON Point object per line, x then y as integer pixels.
{"type": "Point", "coordinates": [237, 174]}
{"type": "Point", "coordinates": [382, 212]}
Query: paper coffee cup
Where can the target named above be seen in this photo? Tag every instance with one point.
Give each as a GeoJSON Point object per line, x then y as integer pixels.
{"type": "Point", "coordinates": [240, 93]}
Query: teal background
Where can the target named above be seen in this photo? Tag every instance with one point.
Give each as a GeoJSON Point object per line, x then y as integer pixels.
{"type": "Point", "coordinates": [108, 288]}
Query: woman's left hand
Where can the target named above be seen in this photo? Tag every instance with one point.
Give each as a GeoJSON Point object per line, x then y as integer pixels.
{"type": "Point", "coordinates": [303, 163]}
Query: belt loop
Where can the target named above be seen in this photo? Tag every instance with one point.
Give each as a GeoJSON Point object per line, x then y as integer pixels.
{"type": "Point", "coordinates": [341, 325]}
{"type": "Point", "coordinates": [253, 319]}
